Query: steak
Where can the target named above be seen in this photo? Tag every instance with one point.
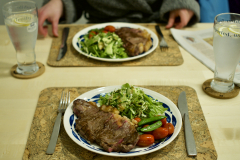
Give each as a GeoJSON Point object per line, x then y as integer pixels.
{"type": "Point", "coordinates": [135, 41]}
{"type": "Point", "coordinates": [109, 130]}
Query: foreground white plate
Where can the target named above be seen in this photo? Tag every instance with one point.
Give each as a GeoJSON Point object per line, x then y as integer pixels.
{"type": "Point", "coordinates": [116, 25]}
{"type": "Point", "coordinates": [173, 116]}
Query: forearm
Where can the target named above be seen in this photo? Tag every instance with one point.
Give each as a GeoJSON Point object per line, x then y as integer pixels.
{"type": "Point", "coordinates": [169, 5]}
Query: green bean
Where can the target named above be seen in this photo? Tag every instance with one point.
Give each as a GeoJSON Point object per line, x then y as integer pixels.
{"type": "Point", "coordinates": [152, 127]}
{"type": "Point", "coordinates": [152, 119]}
{"type": "Point", "coordinates": [140, 133]}
{"type": "Point", "coordinates": [139, 128]}
{"type": "Point", "coordinates": [147, 98]}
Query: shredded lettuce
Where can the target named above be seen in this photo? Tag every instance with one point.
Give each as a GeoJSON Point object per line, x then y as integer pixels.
{"type": "Point", "coordinates": [104, 45]}
{"type": "Point", "coordinates": [133, 102]}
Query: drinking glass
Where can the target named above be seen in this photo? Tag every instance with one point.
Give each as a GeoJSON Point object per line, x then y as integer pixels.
{"type": "Point", "coordinates": [21, 21]}
{"type": "Point", "coordinates": [226, 46]}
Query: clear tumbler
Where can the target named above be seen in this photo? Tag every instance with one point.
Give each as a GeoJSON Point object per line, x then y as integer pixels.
{"type": "Point", "coordinates": [21, 21]}
{"type": "Point", "coordinates": [226, 46]}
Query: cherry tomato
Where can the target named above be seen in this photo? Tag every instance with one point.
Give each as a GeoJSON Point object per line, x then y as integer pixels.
{"type": "Point", "coordinates": [169, 127]}
{"type": "Point", "coordinates": [147, 132]}
{"type": "Point", "coordinates": [164, 121]}
{"type": "Point", "coordinates": [137, 119]}
{"type": "Point", "coordinates": [110, 28]}
{"type": "Point", "coordinates": [91, 34]}
{"type": "Point", "coordinates": [145, 140]}
{"type": "Point", "coordinates": [160, 133]}
{"type": "Point", "coordinates": [104, 31]}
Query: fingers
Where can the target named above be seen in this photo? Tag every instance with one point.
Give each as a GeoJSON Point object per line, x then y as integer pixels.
{"type": "Point", "coordinates": [52, 12]}
{"type": "Point", "coordinates": [41, 29]}
{"type": "Point", "coordinates": [171, 20]}
{"type": "Point", "coordinates": [183, 14]}
{"type": "Point", "coordinates": [183, 22]}
{"type": "Point", "coordinates": [184, 19]}
{"type": "Point", "coordinates": [55, 27]}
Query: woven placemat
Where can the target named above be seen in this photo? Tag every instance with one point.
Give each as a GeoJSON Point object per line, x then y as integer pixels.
{"type": "Point", "coordinates": [46, 113]}
{"type": "Point", "coordinates": [170, 57]}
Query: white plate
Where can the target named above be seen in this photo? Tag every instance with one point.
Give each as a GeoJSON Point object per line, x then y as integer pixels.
{"type": "Point", "coordinates": [81, 33]}
{"type": "Point", "coordinates": [173, 116]}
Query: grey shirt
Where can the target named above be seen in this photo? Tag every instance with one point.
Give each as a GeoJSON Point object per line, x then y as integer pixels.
{"type": "Point", "coordinates": [135, 11]}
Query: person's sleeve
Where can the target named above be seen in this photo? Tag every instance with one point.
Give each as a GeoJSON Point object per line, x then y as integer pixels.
{"type": "Point", "coordinates": [72, 10]}
{"type": "Point", "coordinates": [169, 5]}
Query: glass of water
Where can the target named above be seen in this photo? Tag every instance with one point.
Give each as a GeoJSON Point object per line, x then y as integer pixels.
{"type": "Point", "coordinates": [21, 21]}
{"type": "Point", "coordinates": [226, 46]}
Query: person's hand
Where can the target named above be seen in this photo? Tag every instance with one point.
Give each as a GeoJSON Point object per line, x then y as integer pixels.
{"type": "Point", "coordinates": [52, 12]}
{"type": "Point", "coordinates": [179, 18]}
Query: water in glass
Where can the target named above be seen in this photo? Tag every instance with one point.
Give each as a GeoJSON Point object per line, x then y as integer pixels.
{"type": "Point", "coordinates": [226, 45]}
{"type": "Point", "coordinates": [22, 25]}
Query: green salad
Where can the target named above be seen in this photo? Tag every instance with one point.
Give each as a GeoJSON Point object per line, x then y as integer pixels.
{"type": "Point", "coordinates": [103, 44]}
{"type": "Point", "coordinates": [132, 102]}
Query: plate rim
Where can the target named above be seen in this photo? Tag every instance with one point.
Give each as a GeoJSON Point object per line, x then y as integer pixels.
{"type": "Point", "coordinates": [100, 90]}
{"type": "Point", "coordinates": [77, 35]}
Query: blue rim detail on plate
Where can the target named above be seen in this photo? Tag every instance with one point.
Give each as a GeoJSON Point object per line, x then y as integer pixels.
{"type": "Point", "coordinates": [170, 118]}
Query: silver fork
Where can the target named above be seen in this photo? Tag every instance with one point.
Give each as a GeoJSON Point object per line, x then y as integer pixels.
{"type": "Point", "coordinates": [64, 102]}
{"type": "Point", "coordinates": [163, 43]}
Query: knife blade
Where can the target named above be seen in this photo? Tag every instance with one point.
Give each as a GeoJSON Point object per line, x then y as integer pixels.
{"type": "Point", "coordinates": [63, 47]}
{"type": "Point", "coordinates": [189, 138]}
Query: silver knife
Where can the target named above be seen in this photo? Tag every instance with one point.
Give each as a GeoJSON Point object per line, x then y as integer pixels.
{"type": "Point", "coordinates": [63, 47]}
{"type": "Point", "coordinates": [189, 138]}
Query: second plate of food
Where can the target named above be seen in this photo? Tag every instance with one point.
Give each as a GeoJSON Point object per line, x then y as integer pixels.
{"type": "Point", "coordinates": [80, 37]}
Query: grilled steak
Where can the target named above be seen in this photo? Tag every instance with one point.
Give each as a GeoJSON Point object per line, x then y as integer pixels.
{"type": "Point", "coordinates": [135, 41]}
{"type": "Point", "coordinates": [109, 130]}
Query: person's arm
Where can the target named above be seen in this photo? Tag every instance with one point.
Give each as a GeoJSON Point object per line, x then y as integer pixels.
{"type": "Point", "coordinates": [179, 13]}
{"type": "Point", "coordinates": [52, 10]}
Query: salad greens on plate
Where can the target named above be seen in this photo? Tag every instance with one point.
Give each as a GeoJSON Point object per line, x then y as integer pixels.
{"type": "Point", "coordinates": [102, 44]}
{"type": "Point", "coordinates": [132, 102]}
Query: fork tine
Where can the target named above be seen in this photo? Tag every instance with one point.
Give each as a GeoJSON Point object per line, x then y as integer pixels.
{"type": "Point", "coordinates": [68, 98]}
{"type": "Point", "coordinates": [61, 100]}
{"type": "Point", "coordinates": [164, 48]}
{"type": "Point", "coordinates": [65, 101]}
{"type": "Point", "coordinates": [163, 44]}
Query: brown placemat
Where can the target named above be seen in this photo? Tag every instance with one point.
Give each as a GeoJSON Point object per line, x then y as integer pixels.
{"type": "Point", "coordinates": [171, 57]}
{"type": "Point", "coordinates": [46, 113]}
